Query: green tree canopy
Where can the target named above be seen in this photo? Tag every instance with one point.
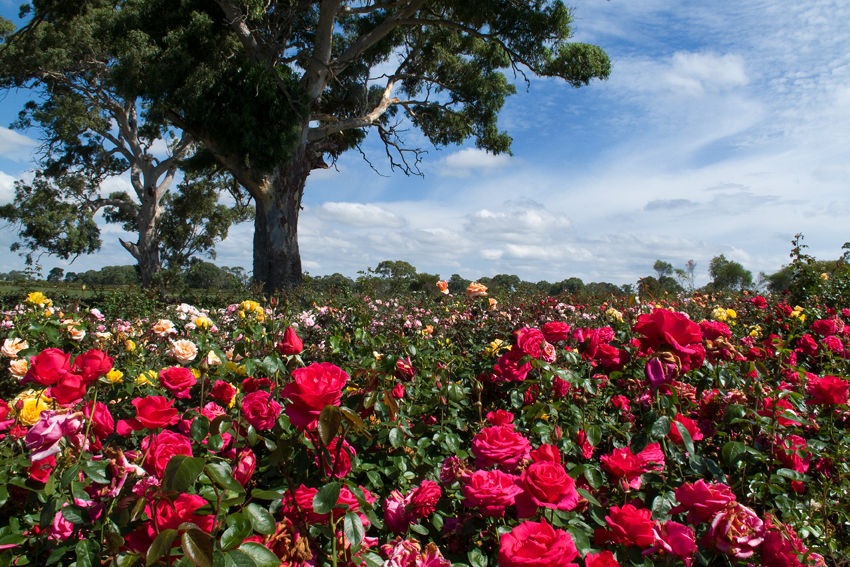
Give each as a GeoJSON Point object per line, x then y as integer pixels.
{"type": "Point", "coordinates": [728, 275]}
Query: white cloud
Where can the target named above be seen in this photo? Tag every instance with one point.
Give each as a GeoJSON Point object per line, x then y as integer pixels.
{"type": "Point", "coordinates": [360, 214]}
{"type": "Point", "coordinates": [462, 163]}
{"type": "Point", "coordinates": [693, 74]}
{"type": "Point", "coordinates": [7, 188]}
{"type": "Point", "coordinates": [15, 146]}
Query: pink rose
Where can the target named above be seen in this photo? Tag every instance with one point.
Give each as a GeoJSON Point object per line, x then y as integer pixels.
{"type": "Point", "coordinates": [736, 532]}
{"type": "Point", "coordinates": [163, 446]}
{"type": "Point", "coordinates": [545, 484]}
{"type": "Point", "coordinates": [102, 423]}
{"type": "Point", "coordinates": [491, 492]}
{"type": "Point", "coordinates": [533, 544]}
{"type": "Point", "coordinates": [337, 461]}
{"type": "Point", "coordinates": [52, 426]}
{"type": "Point", "coordinates": [260, 410]}
{"type": "Point", "coordinates": [500, 445]}
{"type": "Point", "coordinates": [555, 331]}
{"type": "Point", "coordinates": [245, 467]}
{"type": "Point", "coordinates": [170, 515]}
{"type": "Point", "coordinates": [676, 539]}
{"type": "Point", "coordinates": [702, 501]}
{"type": "Point", "coordinates": [530, 341]}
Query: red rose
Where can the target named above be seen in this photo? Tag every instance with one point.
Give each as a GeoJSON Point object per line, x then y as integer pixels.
{"type": "Point", "coordinates": [404, 369]}
{"type": "Point", "coordinates": [500, 445]}
{"type": "Point", "coordinates": [491, 492]}
{"type": "Point", "coordinates": [177, 380]}
{"type": "Point", "coordinates": [290, 344]}
{"type": "Point", "coordinates": [169, 515]}
{"type": "Point", "coordinates": [555, 331]}
{"type": "Point", "coordinates": [546, 453]}
{"type": "Point", "coordinates": [713, 330]}
{"type": "Point", "coordinates": [102, 423]}
{"type": "Point", "coordinates": [152, 412]}
{"type": "Point", "coordinates": [788, 451]}
{"type": "Point", "coordinates": [530, 341]}
{"type": "Point", "coordinates": [672, 331]}
{"type": "Point", "coordinates": [260, 410]}
{"type": "Point", "coordinates": [40, 470]}
{"type": "Point", "coordinates": [48, 367]}
{"type": "Point", "coordinates": [601, 559]}
{"type": "Point", "coordinates": [223, 392]}
{"type": "Point", "coordinates": [69, 390]}
{"type": "Point", "coordinates": [759, 302]}
{"type": "Point", "coordinates": [629, 526]}
{"type": "Point", "coordinates": [507, 368]}
{"type": "Point", "coordinates": [163, 446]}
{"type": "Point", "coordinates": [828, 391]}
{"type": "Point", "coordinates": [807, 345]}
{"type": "Point", "coordinates": [676, 436]}
{"type": "Point", "coordinates": [301, 507]}
{"type": "Point", "coordinates": [313, 388]}
{"type": "Point", "coordinates": [500, 417]}
{"type": "Point", "coordinates": [825, 327]}
{"type": "Point", "coordinates": [533, 544]}
{"type": "Point", "coordinates": [423, 500]}
{"type": "Point", "coordinates": [702, 501]}
{"type": "Point", "coordinates": [545, 484]}
{"type": "Point", "coordinates": [92, 365]}
{"type": "Point", "coordinates": [398, 391]}
{"type": "Point", "coordinates": [337, 459]}
{"type": "Point", "coordinates": [245, 468]}
{"type": "Point", "coordinates": [253, 384]}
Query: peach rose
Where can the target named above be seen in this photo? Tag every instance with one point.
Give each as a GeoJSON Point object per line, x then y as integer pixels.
{"type": "Point", "coordinates": [18, 367]}
{"type": "Point", "coordinates": [75, 333]}
{"type": "Point", "coordinates": [163, 328]}
{"type": "Point", "coordinates": [184, 351]}
{"type": "Point", "coordinates": [11, 347]}
{"type": "Point", "coordinates": [475, 289]}
{"type": "Point", "coordinates": [443, 286]}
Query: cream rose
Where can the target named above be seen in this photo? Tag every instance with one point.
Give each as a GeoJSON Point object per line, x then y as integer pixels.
{"type": "Point", "coordinates": [11, 347]}
{"type": "Point", "coordinates": [163, 328]}
{"type": "Point", "coordinates": [184, 351]}
{"type": "Point", "coordinates": [18, 367]}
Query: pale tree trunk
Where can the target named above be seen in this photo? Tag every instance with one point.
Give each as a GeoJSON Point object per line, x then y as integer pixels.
{"type": "Point", "coordinates": [277, 259]}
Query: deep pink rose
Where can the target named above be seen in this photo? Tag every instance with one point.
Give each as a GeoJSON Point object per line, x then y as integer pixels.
{"type": "Point", "coordinates": [783, 549]}
{"type": "Point", "coordinates": [48, 366]}
{"type": "Point", "coordinates": [260, 410]}
{"type": "Point", "coordinates": [398, 391]}
{"type": "Point", "coordinates": [665, 330]}
{"type": "Point", "coordinates": [713, 330]}
{"type": "Point", "coordinates": [336, 458]}
{"type": "Point", "coordinates": [423, 499]}
{"type": "Point", "coordinates": [807, 345]}
{"type": "Point", "coordinates": [301, 507]}
{"type": "Point", "coordinates": [533, 544]}
{"type": "Point", "coordinates": [500, 417]}
{"type": "Point", "coordinates": [828, 391]}
{"type": "Point", "coordinates": [170, 515]}
{"type": "Point", "coordinates": [702, 501]}
{"type": "Point", "coordinates": [396, 517]}
{"type": "Point", "coordinates": [163, 446]}
{"type": "Point", "coordinates": [507, 368]}
{"type": "Point", "coordinates": [825, 327]}
{"type": "Point", "coordinates": [177, 380]}
{"type": "Point", "coordinates": [245, 467]}
{"type": "Point", "coordinates": [291, 343]}
{"type": "Point", "coordinates": [545, 484]}
{"type": "Point", "coordinates": [676, 539]}
{"type": "Point", "coordinates": [313, 388]}
{"type": "Point", "coordinates": [628, 526]}
{"type": "Point", "coordinates": [546, 453]}
{"type": "Point", "coordinates": [833, 345]}
{"type": "Point", "coordinates": [500, 445]}
{"type": "Point", "coordinates": [491, 492]}
{"type": "Point", "coordinates": [92, 365]}
{"type": "Point", "coordinates": [530, 341]}
{"type": "Point", "coordinates": [601, 559]}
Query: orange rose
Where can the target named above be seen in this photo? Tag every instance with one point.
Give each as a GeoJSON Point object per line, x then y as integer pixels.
{"type": "Point", "coordinates": [475, 289]}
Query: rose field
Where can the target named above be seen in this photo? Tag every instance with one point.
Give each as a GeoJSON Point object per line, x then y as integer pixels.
{"type": "Point", "coordinates": [426, 430]}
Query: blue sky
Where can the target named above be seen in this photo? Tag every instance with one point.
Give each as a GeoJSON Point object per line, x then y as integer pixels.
{"type": "Point", "coordinates": [722, 130]}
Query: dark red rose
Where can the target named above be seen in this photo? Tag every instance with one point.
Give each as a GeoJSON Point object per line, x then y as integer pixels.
{"type": "Point", "coordinates": [92, 365]}
{"type": "Point", "coordinates": [533, 544]}
{"type": "Point", "coordinates": [253, 384]}
{"type": "Point", "coordinates": [177, 380]}
{"type": "Point", "coordinates": [260, 410]}
{"type": "Point", "coordinates": [291, 343]}
{"type": "Point", "coordinates": [223, 392]}
{"type": "Point", "coordinates": [313, 388]}
{"type": "Point", "coordinates": [48, 367]}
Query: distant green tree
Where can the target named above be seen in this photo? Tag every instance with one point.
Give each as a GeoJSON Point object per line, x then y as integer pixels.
{"type": "Point", "coordinates": [662, 269]}
{"type": "Point", "coordinates": [602, 289]}
{"type": "Point", "coordinates": [458, 285]}
{"type": "Point", "coordinates": [205, 275]}
{"type": "Point", "coordinates": [687, 276]}
{"type": "Point", "coordinates": [506, 282]}
{"type": "Point", "coordinates": [56, 274]}
{"type": "Point", "coordinates": [728, 275]}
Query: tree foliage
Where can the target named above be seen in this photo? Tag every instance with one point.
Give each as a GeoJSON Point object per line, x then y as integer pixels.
{"type": "Point", "coordinates": [728, 275]}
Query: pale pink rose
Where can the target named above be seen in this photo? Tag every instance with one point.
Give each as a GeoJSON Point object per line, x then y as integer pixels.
{"type": "Point", "coordinates": [184, 351]}
{"type": "Point", "coordinates": [75, 333]}
{"type": "Point", "coordinates": [163, 328]}
{"type": "Point", "coordinates": [18, 367]}
{"type": "Point", "coordinates": [43, 437]}
{"type": "Point", "coordinates": [11, 347]}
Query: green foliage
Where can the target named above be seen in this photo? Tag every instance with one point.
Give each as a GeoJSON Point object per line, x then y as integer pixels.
{"type": "Point", "coordinates": [728, 275]}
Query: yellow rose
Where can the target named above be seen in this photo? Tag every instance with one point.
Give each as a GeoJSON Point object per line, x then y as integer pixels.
{"type": "Point", "coordinates": [146, 377]}
{"type": "Point", "coordinates": [824, 276]}
{"type": "Point", "coordinates": [129, 345]}
{"type": "Point", "coordinates": [719, 314]}
{"type": "Point", "coordinates": [203, 322]}
{"type": "Point", "coordinates": [33, 404]}
{"type": "Point", "coordinates": [115, 376]}
{"type": "Point", "coordinates": [38, 298]}
{"type": "Point", "coordinates": [731, 313]}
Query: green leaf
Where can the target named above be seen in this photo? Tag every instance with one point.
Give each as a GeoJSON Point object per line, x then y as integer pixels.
{"type": "Point", "coordinates": [260, 519]}
{"type": "Point", "coordinates": [161, 543]}
{"type": "Point", "coordinates": [198, 547]}
{"type": "Point", "coordinates": [329, 421]}
{"type": "Point", "coordinates": [200, 428]}
{"type": "Point", "coordinates": [733, 451]}
{"type": "Point", "coordinates": [792, 474]}
{"type": "Point", "coordinates": [85, 553]}
{"type": "Point", "coordinates": [96, 470]}
{"type": "Point", "coordinates": [420, 529]}
{"type": "Point", "coordinates": [48, 512]}
{"type": "Point", "coordinates": [396, 437]}
{"type": "Point", "coordinates": [326, 498]}
{"type": "Point", "coordinates": [261, 555]}
{"type": "Point", "coordinates": [477, 558]}
{"type": "Point", "coordinates": [235, 534]}
{"type": "Point", "coordinates": [588, 496]}
{"type": "Point", "coordinates": [182, 472]}
{"type": "Point", "coordinates": [353, 528]}
{"type": "Point", "coordinates": [221, 474]}
{"type": "Point", "coordinates": [268, 494]}
{"type": "Point", "coordinates": [581, 540]}
{"type": "Point", "coordinates": [594, 478]}
{"type": "Point", "coordinates": [217, 426]}
{"type": "Point", "coordinates": [638, 443]}
{"type": "Point", "coordinates": [76, 514]}
{"type": "Point", "coordinates": [660, 428]}
{"type": "Point", "coordinates": [686, 438]}
{"type": "Point", "coordinates": [594, 435]}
